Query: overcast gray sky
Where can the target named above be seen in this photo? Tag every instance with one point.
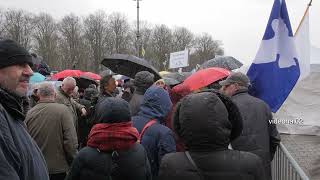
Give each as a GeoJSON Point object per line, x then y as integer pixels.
{"type": "Point", "coordinates": [239, 24]}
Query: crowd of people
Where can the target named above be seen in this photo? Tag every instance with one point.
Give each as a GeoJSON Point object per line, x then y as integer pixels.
{"type": "Point", "coordinates": [147, 130]}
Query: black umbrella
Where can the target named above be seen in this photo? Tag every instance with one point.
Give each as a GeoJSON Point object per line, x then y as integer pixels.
{"type": "Point", "coordinates": [178, 76]}
{"type": "Point", "coordinates": [84, 82]}
{"type": "Point", "coordinates": [226, 62]}
{"type": "Point", "coordinates": [129, 65]}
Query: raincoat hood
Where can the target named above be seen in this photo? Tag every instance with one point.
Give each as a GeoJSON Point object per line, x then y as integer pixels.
{"type": "Point", "coordinates": [203, 123]}
{"type": "Point", "coordinates": [156, 103]}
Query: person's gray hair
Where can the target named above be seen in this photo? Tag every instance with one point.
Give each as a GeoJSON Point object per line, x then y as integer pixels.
{"type": "Point", "coordinates": [46, 89]}
{"type": "Point", "coordinates": [69, 80]}
{"type": "Point", "coordinates": [76, 89]}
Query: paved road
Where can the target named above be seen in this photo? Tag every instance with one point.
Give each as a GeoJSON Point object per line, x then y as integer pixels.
{"type": "Point", "coordinates": [306, 151]}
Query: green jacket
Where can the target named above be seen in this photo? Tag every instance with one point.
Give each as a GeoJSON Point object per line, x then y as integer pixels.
{"type": "Point", "coordinates": [72, 105]}
{"type": "Point", "coordinates": [51, 126]}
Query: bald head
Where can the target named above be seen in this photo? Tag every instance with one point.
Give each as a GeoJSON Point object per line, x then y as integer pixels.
{"type": "Point", "coordinates": [46, 91]}
{"type": "Point", "coordinates": [68, 85]}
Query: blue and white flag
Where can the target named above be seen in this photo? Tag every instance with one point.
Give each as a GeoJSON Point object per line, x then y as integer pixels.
{"type": "Point", "coordinates": [275, 69]}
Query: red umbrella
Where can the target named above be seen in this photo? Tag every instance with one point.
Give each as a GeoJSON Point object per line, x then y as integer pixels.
{"type": "Point", "coordinates": [91, 75]}
{"type": "Point", "coordinates": [65, 73]}
{"type": "Point", "coordinates": [204, 77]}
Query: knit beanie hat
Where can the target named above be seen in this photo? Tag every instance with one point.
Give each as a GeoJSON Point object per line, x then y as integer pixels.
{"type": "Point", "coordinates": [12, 53]}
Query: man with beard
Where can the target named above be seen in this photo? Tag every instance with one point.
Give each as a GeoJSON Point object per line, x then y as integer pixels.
{"type": "Point", "coordinates": [20, 157]}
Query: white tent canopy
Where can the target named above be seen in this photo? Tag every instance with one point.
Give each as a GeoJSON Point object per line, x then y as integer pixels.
{"type": "Point", "coordinates": [300, 113]}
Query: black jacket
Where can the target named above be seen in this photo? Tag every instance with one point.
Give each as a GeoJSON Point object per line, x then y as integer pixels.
{"type": "Point", "coordinates": [204, 123]}
{"type": "Point", "coordinates": [135, 102]}
{"type": "Point", "coordinates": [258, 135]}
{"type": "Point", "coordinates": [90, 164]}
{"type": "Point", "coordinates": [20, 157]}
{"type": "Point", "coordinates": [85, 122]}
{"type": "Point", "coordinates": [219, 165]}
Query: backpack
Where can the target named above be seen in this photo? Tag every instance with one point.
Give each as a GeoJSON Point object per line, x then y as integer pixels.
{"type": "Point", "coordinates": [115, 156]}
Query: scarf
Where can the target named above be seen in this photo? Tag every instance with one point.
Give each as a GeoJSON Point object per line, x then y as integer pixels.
{"type": "Point", "coordinates": [12, 103]}
{"type": "Point", "coordinates": [115, 136]}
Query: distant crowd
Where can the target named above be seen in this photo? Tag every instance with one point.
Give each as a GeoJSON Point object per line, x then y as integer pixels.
{"type": "Point", "coordinates": [137, 129]}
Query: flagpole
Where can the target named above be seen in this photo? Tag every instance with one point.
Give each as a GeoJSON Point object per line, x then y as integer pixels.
{"type": "Point", "coordinates": [304, 15]}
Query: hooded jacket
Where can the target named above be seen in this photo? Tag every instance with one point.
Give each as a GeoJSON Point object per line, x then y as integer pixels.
{"type": "Point", "coordinates": [112, 152]}
{"type": "Point", "coordinates": [202, 121]}
{"type": "Point", "coordinates": [20, 157]}
{"type": "Point", "coordinates": [158, 139]}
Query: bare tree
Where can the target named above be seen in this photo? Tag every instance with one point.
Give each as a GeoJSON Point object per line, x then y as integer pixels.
{"type": "Point", "coordinates": [182, 39]}
{"type": "Point", "coordinates": [2, 20]}
{"type": "Point", "coordinates": [161, 42]}
{"type": "Point", "coordinates": [97, 35]}
{"type": "Point", "coordinates": [205, 48]}
{"type": "Point", "coordinates": [18, 27]}
{"type": "Point", "coordinates": [121, 36]}
{"type": "Point", "coordinates": [72, 43]}
{"type": "Point", "coordinates": [145, 32]}
{"type": "Point", "coordinates": [74, 55]}
{"type": "Point", "coordinates": [46, 40]}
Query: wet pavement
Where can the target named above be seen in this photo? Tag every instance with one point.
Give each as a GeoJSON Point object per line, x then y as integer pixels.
{"type": "Point", "coordinates": [306, 151]}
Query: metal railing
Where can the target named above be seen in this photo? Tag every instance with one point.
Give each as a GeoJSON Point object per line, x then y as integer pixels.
{"type": "Point", "coordinates": [284, 167]}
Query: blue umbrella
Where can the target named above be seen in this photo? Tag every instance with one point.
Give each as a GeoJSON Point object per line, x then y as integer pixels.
{"type": "Point", "coordinates": [37, 77]}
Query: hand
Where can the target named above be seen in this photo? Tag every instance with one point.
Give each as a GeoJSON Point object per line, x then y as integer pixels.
{"type": "Point", "coordinates": [83, 112]}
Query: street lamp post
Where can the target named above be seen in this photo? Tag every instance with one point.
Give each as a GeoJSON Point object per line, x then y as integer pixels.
{"type": "Point", "coordinates": [138, 30]}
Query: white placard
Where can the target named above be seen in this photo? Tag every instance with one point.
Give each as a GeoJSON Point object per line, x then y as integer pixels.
{"type": "Point", "coordinates": [179, 59]}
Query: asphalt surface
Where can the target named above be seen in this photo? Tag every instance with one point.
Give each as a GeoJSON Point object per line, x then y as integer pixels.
{"type": "Point", "coordinates": [306, 152]}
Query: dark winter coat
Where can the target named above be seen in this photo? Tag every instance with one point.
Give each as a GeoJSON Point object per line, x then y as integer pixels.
{"type": "Point", "coordinates": [96, 163]}
{"type": "Point", "coordinates": [135, 102]}
{"type": "Point", "coordinates": [258, 135]}
{"type": "Point", "coordinates": [90, 164]}
{"type": "Point", "coordinates": [158, 139]}
{"type": "Point", "coordinates": [84, 122]}
{"type": "Point", "coordinates": [218, 165]}
{"type": "Point", "coordinates": [142, 81]}
{"type": "Point", "coordinates": [204, 123]}
{"type": "Point", "coordinates": [20, 157]}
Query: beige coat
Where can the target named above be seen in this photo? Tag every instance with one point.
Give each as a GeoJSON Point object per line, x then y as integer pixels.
{"type": "Point", "coordinates": [51, 125]}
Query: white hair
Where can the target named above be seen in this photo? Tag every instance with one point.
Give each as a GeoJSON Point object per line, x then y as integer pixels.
{"type": "Point", "coordinates": [46, 89]}
{"type": "Point", "coordinates": [69, 80]}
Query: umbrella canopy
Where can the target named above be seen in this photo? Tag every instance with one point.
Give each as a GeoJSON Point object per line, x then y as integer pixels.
{"type": "Point", "coordinates": [37, 77]}
{"type": "Point", "coordinates": [226, 62]}
{"type": "Point", "coordinates": [170, 81]}
{"type": "Point", "coordinates": [204, 77]}
{"type": "Point", "coordinates": [178, 76]}
{"type": "Point", "coordinates": [129, 65]}
{"type": "Point", "coordinates": [91, 75]}
{"type": "Point", "coordinates": [84, 82]}
{"type": "Point", "coordinates": [162, 73]}
{"type": "Point", "coordinates": [65, 73]}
